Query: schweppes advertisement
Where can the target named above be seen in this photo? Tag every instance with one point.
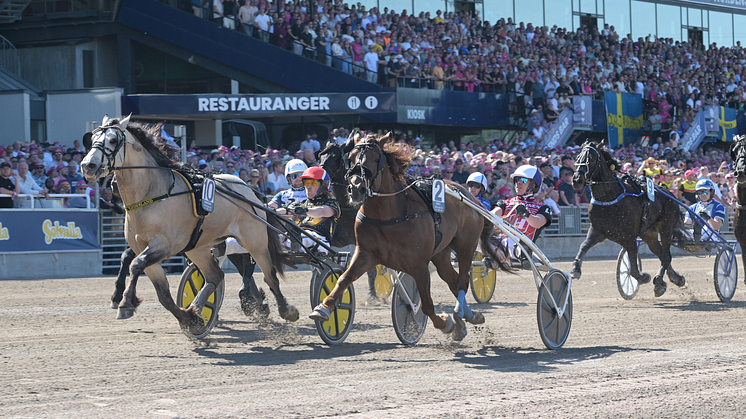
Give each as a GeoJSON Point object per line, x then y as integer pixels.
{"type": "Point", "coordinates": [48, 231]}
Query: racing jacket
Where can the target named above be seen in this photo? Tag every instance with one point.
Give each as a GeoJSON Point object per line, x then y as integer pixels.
{"type": "Point", "coordinates": [295, 195]}
{"type": "Point", "coordinates": [533, 206]}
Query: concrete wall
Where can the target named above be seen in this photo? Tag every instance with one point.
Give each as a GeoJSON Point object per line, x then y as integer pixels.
{"type": "Point", "coordinates": [68, 112]}
{"type": "Point", "coordinates": [15, 117]}
{"type": "Point", "coordinates": [50, 265]}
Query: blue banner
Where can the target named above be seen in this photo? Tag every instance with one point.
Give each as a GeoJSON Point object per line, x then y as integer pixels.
{"type": "Point", "coordinates": [561, 129]}
{"type": "Point", "coordinates": [727, 123]}
{"type": "Point", "coordinates": [48, 231]}
{"type": "Point", "coordinates": [695, 133]}
{"type": "Point", "coordinates": [624, 118]}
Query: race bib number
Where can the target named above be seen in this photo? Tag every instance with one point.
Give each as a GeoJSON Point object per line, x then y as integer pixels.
{"type": "Point", "coordinates": [208, 195]}
{"type": "Point", "coordinates": [439, 196]}
{"type": "Point", "coordinates": [651, 190]}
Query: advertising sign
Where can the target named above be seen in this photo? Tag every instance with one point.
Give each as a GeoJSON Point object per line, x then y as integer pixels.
{"type": "Point", "coordinates": [52, 231]}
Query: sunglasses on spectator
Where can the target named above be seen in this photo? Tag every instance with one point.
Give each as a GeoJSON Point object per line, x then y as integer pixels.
{"type": "Point", "coordinates": [703, 192]}
{"type": "Point", "coordinates": [254, 177]}
{"type": "Point", "coordinates": [295, 176]}
{"type": "Point", "coordinates": [459, 164]}
{"type": "Point", "coordinates": [448, 171]}
{"type": "Point", "coordinates": [521, 180]}
{"type": "Point", "coordinates": [230, 167]}
{"type": "Point", "coordinates": [310, 182]}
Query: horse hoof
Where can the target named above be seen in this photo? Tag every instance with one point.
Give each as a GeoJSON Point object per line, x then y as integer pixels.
{"type": "Point", "coordinates": [291, 314]}
{"type": "Point", "coordinates": [264, 310]}
{"type": "Point", "coordinates": [459, 331]}
{"type": "Point", "coordinates": [448, 328]}
{"type": "Point", "coordinates": [660, 290]}
{"type": "Point", "coordinates": [644, 279]}
{"type": "Point", "coordinates": [477, 319]}
{"type": "Point", "coordinates": [125, 313]}
{"type": "Point", "coordinates": [679, 281]}
{"type": "Point", "coordinates": [114, 305]}
{"type": "Point", "coordinates": [575, 274]}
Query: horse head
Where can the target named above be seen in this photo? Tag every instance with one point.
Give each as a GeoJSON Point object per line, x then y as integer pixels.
{"type": "Point", "coordinates": [106, 143]}
{"type": "Point", "coordinates": [367, 165]}
{"type": "Point", "coordinates": [738, 154]}
{"type": "Point", "coordinates": [586, 158]}
{"type": "Point", "coordinates": [331, 159]}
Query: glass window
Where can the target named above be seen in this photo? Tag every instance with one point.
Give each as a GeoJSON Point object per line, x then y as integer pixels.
{"type": "Point", "coordinates": [669, 22]}
{"type": "Point", "coordinates": [644, 22]}
{"type": "Point", "coordinates": [431, 6]}
{"type": "Point", "coordinates": [559, 12]}
{"type": "Point", "coordinates": [530, 11]}
{"type": "Point", "coordinates": [739, 25]}
{"type": "Point", "coordinates": [576, 5]}
{"type": "Point", "coordinates": [695, 18]}
{"type": "Point", "coordinates": [588, 6]}
{"type": "Point", "coordinates": [617, 15]}
{"type": "Point", "coordinates": [721, 29]}
{"type": "Point", "coordinates": [575, 22]}
{"type": "Point", "coordinates": [495, 10]}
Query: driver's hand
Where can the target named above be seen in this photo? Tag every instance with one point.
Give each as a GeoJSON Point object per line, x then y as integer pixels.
{"type": "Point", "coordinates": [522, 211]}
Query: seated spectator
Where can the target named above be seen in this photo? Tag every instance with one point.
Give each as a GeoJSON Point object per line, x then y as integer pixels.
{"type": "Point", "coordinates": [107, 201]}
{"type": "Point", "coordinates": [81, 187]}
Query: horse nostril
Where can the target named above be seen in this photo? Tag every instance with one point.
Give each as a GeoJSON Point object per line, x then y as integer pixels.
{"type": "Point", "coordinates": [91, 166]}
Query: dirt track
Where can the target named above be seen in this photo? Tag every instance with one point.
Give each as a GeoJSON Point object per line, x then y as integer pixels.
{"type": "Point", "coordinates": [683, 355]}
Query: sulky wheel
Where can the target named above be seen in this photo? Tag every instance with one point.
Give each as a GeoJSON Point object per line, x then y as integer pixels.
{"type": "Point", "coordinates": [189, 285]}
{"type": "Point", "coordinates": [554, 328]}
{"type": "Point", "coordinates": [335, 330]}
{"type": "Point", "coordinates": [408, 319]}
{"type": "Point", "coordinates": [482, 280]}
{"type": "Point", "coordinates": [626, 283]}
{"type": "Point", "coordinates": [384, 281]}
{"type": "Point", "coordinates": [726, 274]}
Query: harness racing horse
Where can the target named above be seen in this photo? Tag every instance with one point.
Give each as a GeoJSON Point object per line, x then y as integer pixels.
{"type": "Point", "coordinates": [622, 216]}
{"type": "Point", "coordinates": [738, 154]}
{"type": "Point", "coordinates": [161, 218]}
{"type": "Point", "coordinates": [394, 227]}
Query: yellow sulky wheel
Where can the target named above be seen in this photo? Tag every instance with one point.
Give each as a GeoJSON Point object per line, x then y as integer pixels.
{"type": "Point", "coordinates": [190, 284]}
{"type": "Point", "coordinates": [384, 281]}
{"type": "Point", "coordinates": [482, 280]}
{"type": "Point", "coordinates": [335, 330]}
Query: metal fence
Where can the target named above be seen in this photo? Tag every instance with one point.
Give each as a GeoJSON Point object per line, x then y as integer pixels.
{"type": "Point", "coordinates": [111, 239]}
{"type": "Point", "coordinates": [574, 222]}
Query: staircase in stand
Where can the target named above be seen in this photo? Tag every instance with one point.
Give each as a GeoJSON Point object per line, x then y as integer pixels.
{"type": "Point", "coordinates": [10, 10]}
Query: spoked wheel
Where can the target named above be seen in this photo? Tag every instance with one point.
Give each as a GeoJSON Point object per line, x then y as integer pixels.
{"type": "Point", "coordinates": [190, 284]}
{"type": "Point", "coordinates": [482, 281]}
{"type": "Point", "coordinates": [553, 327]}
{"type": "Point", "coordinates": [335, 330]}
{"type": "Point", "coordinates": [384, 281]}
{"type": "Point", "coordinates": [409, 320]}
{"type": "Point", "coordinates": [726, 275]}
{"type": "Point", "coordinates": [626, 283]}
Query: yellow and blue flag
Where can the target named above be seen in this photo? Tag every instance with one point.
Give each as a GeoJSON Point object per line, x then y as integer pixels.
{"type": "Point", "coordinates": [727, 123]}
{"type": "Point", "coordinates": [623, 118]}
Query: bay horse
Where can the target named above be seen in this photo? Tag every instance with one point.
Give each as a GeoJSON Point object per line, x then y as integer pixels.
{"type": "Point", "coordinates": [394, 227]}
{"type": "Point", "coordinates": [621, 215]}
{"type": "Point", "coordinates": [161, 218]}
{"type": "Point", "coordinates": [738, 154]}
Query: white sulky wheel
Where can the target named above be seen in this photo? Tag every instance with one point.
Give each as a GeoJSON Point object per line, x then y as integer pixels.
{"type": "Point", "coordinates": [554, 328]}
{"type": "Point", "coordinates": [626, 283]}
{"type": "Point", "coordinates": [725, 276]}
{"type": "Point", "coordinates": [408, 324]}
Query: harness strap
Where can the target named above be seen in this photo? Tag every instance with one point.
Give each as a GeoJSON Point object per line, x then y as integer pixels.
{"type": "Point", "coordinates": [158, 198]}
{"type": "Point", "coordinates": [594, 201]}
{"type": "Point", "coordinates": [196, 234]}
{"type": "Point", "coordinates": [367, 220]}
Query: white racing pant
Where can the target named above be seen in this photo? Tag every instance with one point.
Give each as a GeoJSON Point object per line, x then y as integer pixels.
{"type": "Point", "coordinates": [232, 246]}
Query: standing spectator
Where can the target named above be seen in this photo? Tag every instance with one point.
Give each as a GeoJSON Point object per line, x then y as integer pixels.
{"type": "Point", "coordinates": [371, 66]}
{"type": "Point", "coordinates": [25, 184]}
{"type": "Point", "coordinates": [310, 144]}
{"type": "Point", "coordinates": [688, 188]}
{"type": "Point", "coordinates": [107, 202]}
{"type": "Point", "coordinates": [78, 201]}
{"type": "Point", "coordinates": [460, 175]}
{"type": "Point", "coordinates": [567, 194]}
{"type": "Point", "coordinates": [38, 174]}
{"type": "Point", "coordinates": [7, 186]}
{"type": "Point", "coordinates": [246, 16]}
{"type": "Point", "coordinates": [263, 21]}
{"type": "Point", "coordinates": [277, 177]}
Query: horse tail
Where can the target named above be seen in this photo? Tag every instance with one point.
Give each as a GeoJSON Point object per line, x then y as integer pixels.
{"type": "Point", "coordinates": [494, 248]}
{"type": "Point", "coordinates": [277, 253]}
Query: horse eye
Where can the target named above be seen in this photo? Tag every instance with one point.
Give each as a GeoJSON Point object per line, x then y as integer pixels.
{"type": "Point", "coordinates": [113, 141]}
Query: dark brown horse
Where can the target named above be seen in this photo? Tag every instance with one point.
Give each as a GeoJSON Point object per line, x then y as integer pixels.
{"type": "Point", "coordinates": [738, 154]}
{"type": "Point", "coordinates": [621, 215]}
{"type": "Point", "coordinates": [395, 228]}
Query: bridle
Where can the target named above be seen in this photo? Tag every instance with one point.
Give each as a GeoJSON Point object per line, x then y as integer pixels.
{"type": "Point", "coordinates": [369, 178]}
{"type": "Point", "coordinates": [100, 145]}
{"type": "Point", "coordinates": [583, 165]}
{"type": "Point", "coordinates": [344, 160]}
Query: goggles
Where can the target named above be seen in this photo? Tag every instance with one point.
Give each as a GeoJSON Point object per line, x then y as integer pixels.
{"type": "Point", "coordinates": [295, 176]}
{"type": "Point", "coordinates": [310, 182]}
{"type": "Point", "coordinates": [521, 179]}
{"type": "Point", "coordinates": [703, 192]}
{"type": "Point", "coordinates": [474, 185]}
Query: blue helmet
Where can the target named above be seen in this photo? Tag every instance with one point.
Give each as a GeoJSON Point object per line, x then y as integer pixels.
{"type": "Point", "coordinates": [705, 184]}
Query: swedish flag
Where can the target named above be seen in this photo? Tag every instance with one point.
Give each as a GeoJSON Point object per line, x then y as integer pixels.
{"type": "Point", "coordinates": [727, 122]}
{"type": "Point", "coordinates": [623, 118]}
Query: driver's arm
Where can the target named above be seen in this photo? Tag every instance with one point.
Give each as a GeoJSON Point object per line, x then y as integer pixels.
{"type": "Point", "coordinates": [323, 211]}
{"type": "Point", "coordinates": [715, 223]}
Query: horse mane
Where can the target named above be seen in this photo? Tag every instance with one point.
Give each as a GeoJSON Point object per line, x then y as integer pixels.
{"type": "Point", "coordinates": [397, 156]}
{"type": "Point", "coordinates": [611, 162]}
{"type": "Point", "coordinates": [149, 137]}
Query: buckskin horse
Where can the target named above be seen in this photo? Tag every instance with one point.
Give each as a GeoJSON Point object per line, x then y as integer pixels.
{"type": "Point", "coordinates": [394, 227]}
{"type": "Point", "coordinates": [621, 214]}
{"type": "Point", "coordinates": [162, 218]}
{"type": "Point", "coordinates": [738, 154]}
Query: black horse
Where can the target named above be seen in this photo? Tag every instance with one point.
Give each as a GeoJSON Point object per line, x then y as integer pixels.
{"type": "Point", "coordinates": [738, 154]}
{"type": "Point", "coordinates": [620, 213]}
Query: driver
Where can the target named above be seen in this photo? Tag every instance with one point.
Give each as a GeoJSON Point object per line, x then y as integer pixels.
{"type": "Point", "coordinates": [297, 193]}
{"type": "Point", "coordinates": [527, 214]}
{"type": "Point", "coordinates": [712, 211]}
{"type": "Point", "coordinates": [477, 184]}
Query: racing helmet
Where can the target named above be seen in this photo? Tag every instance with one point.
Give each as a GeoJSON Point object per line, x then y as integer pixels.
{"type": "Point", "coordinates": [479, 178]}
{"type": "Point", "coordinates": [706, 184]}
{"type": "Point", "coordinates": [314, 172]}
{"type": "Point", "coordinates": [529, 172]}
{"type": "Point", "coordinates": [295, 166]}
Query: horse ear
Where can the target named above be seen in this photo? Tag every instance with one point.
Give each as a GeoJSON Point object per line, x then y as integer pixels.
{"type": "Point", "coordinates": [350, 143]}
{"type": "Point", "coordinates": [105, 120]}
{"type": "Point", "coordinates": [87, 143]}
{"type": "Point", "coordinates": [389, 136]}
{"type": "Point", "coordinates": [125, 121]}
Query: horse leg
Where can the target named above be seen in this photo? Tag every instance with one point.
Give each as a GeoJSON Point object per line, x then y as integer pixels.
{"type": "Point", "coordinates": [634, 269]}
{"type": "Point", "coordinates": [372, 294]}
{"type": "Point", "coordinates": [124, 271]}
{"type": "Point", "coordinates": [192, 316]}
{"type": "Point", "coordinates": [651, 239]}
{"type": "Point", "coordinates": [251, 297]}
{"type": "Point", "coordinates": [442, 322]}
{"type": "Point", "coordinates": [361, 263]}
{"type": "Point", "coordinates": [287, 311]}
{"type": "Point", "coordinates": [155, 252]}
{"type": "Point", "coordinates": [593, 238]}
{"type": "Point", "coordinates": [458, 284]}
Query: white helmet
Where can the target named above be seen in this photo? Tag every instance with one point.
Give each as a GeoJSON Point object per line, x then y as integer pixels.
{"type": "Point", "coordinates": [529, 172]}
{"type": "Point", "coordinates": [477, 178]}
{"type": "Point", "coordinates": [295, 166]}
